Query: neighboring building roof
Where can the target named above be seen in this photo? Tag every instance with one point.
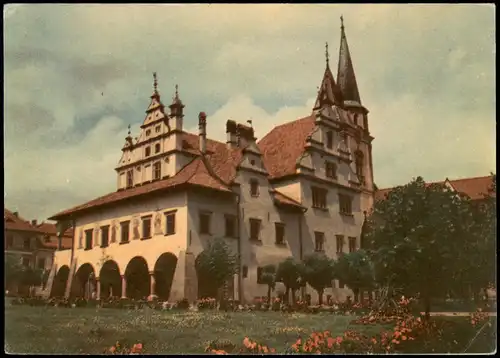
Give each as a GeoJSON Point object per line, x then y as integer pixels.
{"type": "Point", "coordinates": [195, 173]}
{"type": "Point", "coordinates": [15, 222]}
{"type": "Point", "coordinates": [50, 240]}
{"type": "Point", "coordinates": [283, 145]}
{"type": "Point", "coordinates": [475, 188]}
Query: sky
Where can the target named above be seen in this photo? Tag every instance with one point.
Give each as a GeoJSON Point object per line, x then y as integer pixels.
{"type": "Point", "coordinates": [75, 76]}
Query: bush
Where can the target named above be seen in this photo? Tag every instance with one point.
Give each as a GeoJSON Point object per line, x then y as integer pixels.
{"type": "Point", "coordinates": [182, 304]}
{"type": "Point", "coordinates": [207, 304]}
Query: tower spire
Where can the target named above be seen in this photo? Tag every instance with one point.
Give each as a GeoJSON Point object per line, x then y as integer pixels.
{"type": "Point", "coordinates": [327, 55]}
{"type": "Point", "coordinates": [155, 83]}
{"type": "Point", "coordinates": [346, 78]}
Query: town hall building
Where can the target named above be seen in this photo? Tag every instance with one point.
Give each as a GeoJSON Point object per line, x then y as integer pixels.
{"type": "Point", "coordinates": [302, 188]}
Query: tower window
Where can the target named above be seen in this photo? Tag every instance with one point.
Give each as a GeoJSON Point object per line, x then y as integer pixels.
{"type": "Point", "coordinates": [157, 129]}
{"type": "Point", "coordinates": [148, 151]}
{"type": "Point", "coordinates": [254, 187]}
{"type": "Point", "coordinates": [359, 166]}
{"type": "Point", "coordinates": [331, 170]}
{"type": "Point", "coordinates": [318, 197]}
{"type": "Point", "coordinates": [157, 148]}
{"type": "Point", "coordinates": [329, 139]}
{"type": "Point", "coordinates": [148, 132]}
{"type": "Point", "coordinates": [130, 178]}
{"type": "Point", "coordinates": [157, 170]}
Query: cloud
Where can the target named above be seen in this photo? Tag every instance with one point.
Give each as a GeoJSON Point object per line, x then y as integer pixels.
{"type": "Point", "coordinates": [76, 75]}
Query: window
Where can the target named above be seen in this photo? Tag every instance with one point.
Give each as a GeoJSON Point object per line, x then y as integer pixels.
{"type": "Point", "coordinates": [329, 139]}
{"type": "Point", "coordinates": [10, 241]}
{"type": "Point", "coordinates": [254, 187]}
{"type": "Point", "coordinates": [230, 226]}
{"type": "Point", "coordinates": [130, 178]}
{"type": "Point", "coordinates": [319, 241]}
{"type": "Point", "coordinates": [148, 132]}
{"type": "Point", "coordinates": [252, 162]}
{"type": "Point", "coordinates": [352, 244]}
{"type": "Point", "coordinates": [280, 233]}
{"type": "Point", "coordinates": [146, 227]}
{"type": "Point", "coordinates": [157, 171]}
{"type": "Point", "coordinates": [157, 129]}
{"type": "Point", "coordinates": [331, 170]}
{"type": "Point", "coordinates": [26, 243]}
{"type": "Point", "coordinates": [41, 263]}
{"type": "Point", "coordinates": [341, 284]}
{"type": "Point", "coordinates": [359, 165]}
{"type": "Point", "coordinates": [46, 239]}
{"type": "Point", "coordinates": [205, 223]}
{"type": "Point", "coordinates": [157, 148]}
{"type": "Point", "coordinates": [244, 272]}
{"type": "Point", "coordinates": [345, 204]}
{"type": "Point", "coordinates": [104, 236]}
{"type": "Point", "coordinates": [254, 229]}
{"type": "Point", "coordinates": [147, 151]}
{"type": "Point", "coordinates": [88, 239]}
{"type": "Point", "coordinates": [319, 197]}
{"type": "Point", "coordinates": [170, 219]}
{"type": "Point", "coordinates": [125, 231]}
{"type": "Point", "coordinates": [340, 243]}
{"type": "Point", "coordinates": [26, 261]}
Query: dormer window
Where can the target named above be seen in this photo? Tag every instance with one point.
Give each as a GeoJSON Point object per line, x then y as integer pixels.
{"type": "Point", "coordinates": [147, 151]}
{"type": "Point", "coordinates": [254, 188]}
{"type": "Point", "coordinates": [329, 139]}
{"type": "Point", "coordinates": [157, 148]}
{"type": "Point", "coordinates": [148, 132]}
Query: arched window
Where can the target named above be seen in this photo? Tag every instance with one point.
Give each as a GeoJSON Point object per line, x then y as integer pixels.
{"type": "Point", "coordinates": [359, 165]}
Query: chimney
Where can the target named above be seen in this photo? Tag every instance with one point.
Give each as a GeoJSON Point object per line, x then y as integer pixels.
{"type": "Point", "coordinates": [202, 126]}
{"type": "Point", "coordinates": [245, 135]}
{"type": "Point", "coordinates": [232, 140]}
{"type": "Point", "coordinates": [33, 222]}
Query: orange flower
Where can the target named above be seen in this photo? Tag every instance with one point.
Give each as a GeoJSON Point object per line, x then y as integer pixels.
{"type": "Point", "coordinates": [264, 349]}
{"type": "Point", "coordinates": [374, 341]}
{"type": "Point", "coordinates": [339, 340]}
{"type": "Point", "coordinates": [112, 349]}
{"type": "Point", "coordinates": [403, 338]}
{"type": "Point", "coordinates": [330, 341]}
{"type": "Point", "coordinates": [273, 350]}
{"type": "Point", "coordinates": [246, 342]}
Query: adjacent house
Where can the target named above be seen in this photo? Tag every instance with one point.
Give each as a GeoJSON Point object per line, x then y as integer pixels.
{"type": "Point", "coordinates": [301, 189]}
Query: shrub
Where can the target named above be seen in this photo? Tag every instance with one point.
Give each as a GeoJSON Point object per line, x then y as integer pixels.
{"type": "Point", "coordinates": [207, 303]}
{"type": "Point", "coordinates": [118, 348]}
{"type": "Point", "coordinates": [182, 304]}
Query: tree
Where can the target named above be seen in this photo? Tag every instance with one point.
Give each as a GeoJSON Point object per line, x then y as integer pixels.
{"type": "Point", "coordinates": [31, 277]}
{"type": "Point", "coordinates": [355, 269]}
{"type": "Point", "coordinates": [13, 270]}
{"type": "Point", "coordinates": [416, 239]}
{"type": "Point", "coordinates": [268, 277]}
{"type": "Point", "coordinates": [318, 272]}
{"type": "Point", "coordinates": [290, 273]}
{"type": "Point", "coordinates": [216, 264]}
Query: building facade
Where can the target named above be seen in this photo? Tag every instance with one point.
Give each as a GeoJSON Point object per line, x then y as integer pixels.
{"type": "Point", "coordinates": [301, 189]}
{"type": "Point", "coordinates": [32, 244]}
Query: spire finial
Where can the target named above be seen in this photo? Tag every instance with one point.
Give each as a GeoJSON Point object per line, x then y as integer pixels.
{"type": "Point", "coordinates": [129, 129]}
{"type": "Point", "coordinates": [155, 82]}
{"type": "Point", "coordinates": [176, 91]}
{"type": "Point", "coordinates": [327, 55]}
{"type": "Point", "coordinates": [342, 22]}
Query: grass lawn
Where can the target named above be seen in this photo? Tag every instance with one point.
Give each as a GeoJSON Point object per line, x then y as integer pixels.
{"type": "Point", "coordinates": [84, 330]}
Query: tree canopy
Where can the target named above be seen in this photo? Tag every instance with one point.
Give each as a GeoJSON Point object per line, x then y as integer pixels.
{"type": "Point", "coordinates": [318, 271]}
{"type": "Point", "coordinates": [355, 269]}
{"type": "Point", "coordinates": [417, 237]}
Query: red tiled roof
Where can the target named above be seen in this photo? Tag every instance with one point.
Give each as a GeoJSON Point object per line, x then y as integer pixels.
{"type": "Point", "coordinates": [13, 222]}
{"type": "Point", "coordinates": [282, 146]}
{"type": "Point", "coordinates": [195, 173]}
{"type": "Point", "coordinates": [50, 231]}
{"type": "Point", "coordinates": [475, 188]}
